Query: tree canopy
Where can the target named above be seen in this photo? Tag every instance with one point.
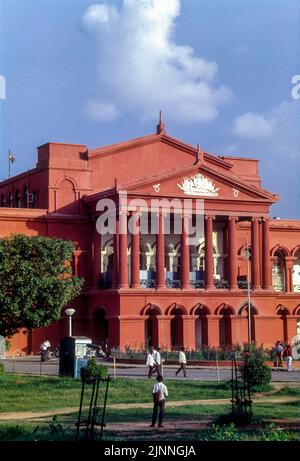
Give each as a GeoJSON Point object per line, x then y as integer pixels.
{"type": "Point", "coordinates": [36, 281]}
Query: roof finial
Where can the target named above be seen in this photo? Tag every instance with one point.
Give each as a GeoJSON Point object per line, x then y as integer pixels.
{"type": "Point", "coordinates": [160, 128]}
{"type": "Point", "coordinates": [198, 154]}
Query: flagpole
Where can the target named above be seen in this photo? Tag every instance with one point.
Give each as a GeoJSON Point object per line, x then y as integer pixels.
{"type": "Point", "coordinates": [9, 164]}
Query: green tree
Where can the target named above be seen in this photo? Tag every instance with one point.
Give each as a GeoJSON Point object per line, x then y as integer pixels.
{"type": "Point", "coordinates": [35, 282]}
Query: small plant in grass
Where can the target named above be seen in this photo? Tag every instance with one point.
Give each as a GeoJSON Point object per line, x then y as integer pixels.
{"type": "Point", "coordinates": [1, 368]}
{"type": "Point", "coordinates": [90, 372]}
{"type": "Point", "coordinates": [226, 432]}
{"type": "Point", "coordinates": [256, 372]}
{"type": "Point", "coordinates": [273, 433]}
{"type": "Point", "coordinates": [55, 426]}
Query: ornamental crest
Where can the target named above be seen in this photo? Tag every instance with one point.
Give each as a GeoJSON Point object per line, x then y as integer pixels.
{"type": "Point", "coordinates": [199, 185]}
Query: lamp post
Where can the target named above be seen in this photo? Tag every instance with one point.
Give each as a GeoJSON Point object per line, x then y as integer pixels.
{"type": "Point", "coordinates": [70, 312]}
{"type": "Point", "coordinates": [249, 292]}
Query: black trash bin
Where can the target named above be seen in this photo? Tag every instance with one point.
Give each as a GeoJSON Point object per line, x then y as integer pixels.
{"type": "Point", "coordinates": [73, 354]}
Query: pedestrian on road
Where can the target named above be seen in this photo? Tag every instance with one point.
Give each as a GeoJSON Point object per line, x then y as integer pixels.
{"type": "Point", "coordinates": [159, 393]}
{"type": "Point", "coordinates": [182, 362]}
{"type": "Point", "coordinates": [279, 354]}
{"type": "Point", "coordinates": [288, 356]}
{"type": "Point", "coordinates": [150, 362]}
{"type": "Point", "coordinates": [157, 360]}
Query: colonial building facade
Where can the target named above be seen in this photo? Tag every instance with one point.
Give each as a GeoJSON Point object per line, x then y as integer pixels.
{"type": "Point", "coordinates": [161, 287]}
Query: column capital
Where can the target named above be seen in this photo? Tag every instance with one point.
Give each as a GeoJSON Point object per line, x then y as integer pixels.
{"type": "Point", "coordinates": [135, 213]}
{"type": "Point", "coordinates": [208, 216]}
{"type": "Point", "coordinates": [289, 261]}
{"type": "Point", "coordinates": [233, 218]}
{"type": "Point", "coordinates": [255, 219]}
{"type": "Point", "coordinates": [265, 219]}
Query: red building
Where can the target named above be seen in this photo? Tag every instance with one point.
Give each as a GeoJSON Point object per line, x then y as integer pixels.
{"type": "Point", "coordinates": [159, 288]}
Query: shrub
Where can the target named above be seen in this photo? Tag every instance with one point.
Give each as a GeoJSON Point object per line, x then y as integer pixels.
{"type": "Point", "coordinates": [55, 426]}
{"type": "Point", "coordinates": [275, 434]}
{"type": "Point", "coordinates": [256, 372]}
{"type": "Point", "coordinates": [226, 432]}
{"type": "Point", "coordinates": [90, 372]}
{"type": "Point", "coordinates": [1, 368]}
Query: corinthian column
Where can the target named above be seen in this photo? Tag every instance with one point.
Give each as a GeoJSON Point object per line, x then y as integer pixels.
{"type": "Point", "coordinates": [160, 253]}
{"type": "Point", "coordinates": [232, 252]}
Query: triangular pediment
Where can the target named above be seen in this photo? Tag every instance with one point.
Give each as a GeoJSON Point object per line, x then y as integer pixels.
{"type": "Point", "coordinates": [198, 181]}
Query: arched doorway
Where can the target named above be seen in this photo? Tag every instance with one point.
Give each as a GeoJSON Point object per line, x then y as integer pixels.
{"type": "Point", "coordinates": [282, 312]}
{"type": "Point", "coordinates": [151, 326]}
{"type": "Point", "coordinates": [177, 328]}
{"type": "Point", "coordinates": [225, 326]}
{"type": "Point", "coordinates": [201, 326]}
{"type": "Point", "coordinates": [253, 311]}
{"type": "Point", "coordinates": [100, 327]}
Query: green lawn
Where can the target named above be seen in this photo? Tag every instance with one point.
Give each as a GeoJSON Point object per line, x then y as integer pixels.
{"type": "Point", "coordinates": [64, 428]}
{"type": "Point", "coordinates": [34, 393]}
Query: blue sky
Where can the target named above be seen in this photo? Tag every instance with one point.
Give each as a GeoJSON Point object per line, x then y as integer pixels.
{"type": "Point", "coordinates": [79, 71]}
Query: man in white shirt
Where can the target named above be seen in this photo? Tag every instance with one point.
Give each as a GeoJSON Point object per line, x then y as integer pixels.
{"type": "Point", "coordinates": [150, 362]}
{"type": "Point", "coordinates": [182, 362]}
{"type": "Point", "coordinates": [159, 393]}
{"type": "Point", "coordinates": [157, 359]}
{"type": "Point", "coordinates": [45, 354]}
{"type": "Point", "coordinates": [45, 345]}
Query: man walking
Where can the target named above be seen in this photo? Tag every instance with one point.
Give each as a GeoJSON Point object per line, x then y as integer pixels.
{"type": "Point", "coordinates": [150, 362]}
{"type": "Point", "coordinates": [159, 393]}
{"type": "Point", "coordinates": [289, 357]}
{"type": "Point", "coordinates": [279, 354]}
{"type": "Point", "coordinates": [182, 362]}
{"type": "Point", "coordinates": [157, 360]}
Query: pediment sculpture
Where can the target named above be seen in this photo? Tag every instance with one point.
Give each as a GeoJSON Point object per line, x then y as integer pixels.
{"type": "Point", "coordinates": [199, 185]}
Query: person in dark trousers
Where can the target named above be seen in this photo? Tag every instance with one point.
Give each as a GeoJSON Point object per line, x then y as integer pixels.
{"type": "Point", "coordinates": [159, 393]}
{"type": "Point", "coordinates": [150, 362]}
{"type": "Point", "coordinates": [157, 360]}
{"type": "Point", "coordinates": [182, 362]}
{"type": "Point", "coordinates": [279, 354]}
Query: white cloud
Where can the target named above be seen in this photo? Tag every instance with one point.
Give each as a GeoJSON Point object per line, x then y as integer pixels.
{"type": "Point", "coordinates": [279, 156]}
{"type": "Point", "coordinates": [101, 112]}
{"type": "Point", "coordinates": [142, 70]}
{"type": "Point", "coordinates": [254, 126]}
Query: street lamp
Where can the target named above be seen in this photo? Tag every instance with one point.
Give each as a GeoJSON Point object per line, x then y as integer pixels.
{"type": "Point", "coordinates": [249, 292]}
{"type": "Point", "coordinates": [70, 311]}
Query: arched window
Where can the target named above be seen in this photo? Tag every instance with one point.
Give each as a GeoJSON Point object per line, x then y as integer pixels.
{"type": "Point", "coordinates": [107, 263]}
{"type": "Point", "coordinates": [25, 198]}
{"type": "Point", "coordinates": [278, 271]}
{"type": "Point", "coordinates": [18, 199]}
{"type": "Point", "coordinates": [296, 272]}
{"type": "Point", "coordinates": [10, 200]}
{"type": "Point", "coordinates": [2, 200]}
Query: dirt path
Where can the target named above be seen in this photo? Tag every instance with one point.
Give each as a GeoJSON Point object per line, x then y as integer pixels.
{"type": "Point", "coordinates": [28, 415]}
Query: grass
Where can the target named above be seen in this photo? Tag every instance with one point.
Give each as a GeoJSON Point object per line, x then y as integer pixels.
{"type": "Point", "coordinates": [64, 429]}
{"type": "Point", "coordinates": [34, 393]}
{"type": "Point", "coordinates": [288, 391]}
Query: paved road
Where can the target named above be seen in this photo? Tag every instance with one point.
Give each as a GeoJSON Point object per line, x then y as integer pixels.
{"type": "Point", "coordinates": [36, 367]}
